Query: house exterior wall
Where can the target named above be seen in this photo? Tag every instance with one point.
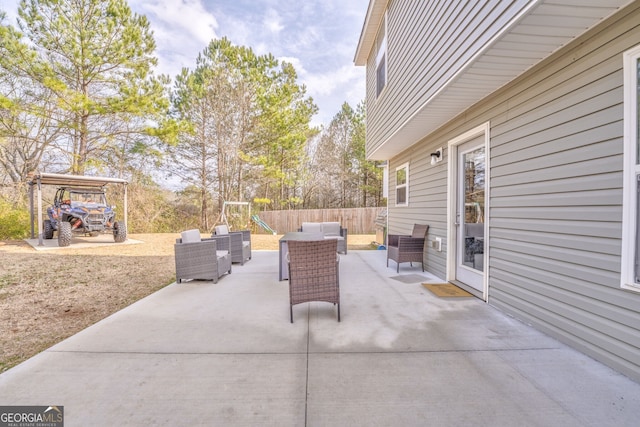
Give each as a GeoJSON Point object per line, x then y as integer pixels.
{"type": "Point", "coordinates": [419, 62]}
{"type": "Point", "coordinates": [555, 218]}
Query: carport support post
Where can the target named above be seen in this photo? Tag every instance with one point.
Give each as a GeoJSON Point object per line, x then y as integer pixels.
{"type": "Point", "coordinates": [33, 236]}
{"type": "Point", "coordinates": [125, 206]}
{"type": "Point", "coordinates": [40, 241]}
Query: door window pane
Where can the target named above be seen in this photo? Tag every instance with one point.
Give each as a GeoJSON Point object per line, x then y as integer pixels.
{"type": "Point", "coordinates": [636, 269]}
{"type": "Point", "coordinates": [637, 118]}
{"type": "Point", "coordinates": [473, 216]}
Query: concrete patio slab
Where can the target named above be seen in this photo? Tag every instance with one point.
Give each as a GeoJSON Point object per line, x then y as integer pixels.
{"type": "Point", "coordinates": [79, 242]}
{"type": "Point", "coordinates": [426, 389]}
{"type": "Point", "coordinates": [200, 353]}
{"type": "Point", "coordinates": [152, 389]}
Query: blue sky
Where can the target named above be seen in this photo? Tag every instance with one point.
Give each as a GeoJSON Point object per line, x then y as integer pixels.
{"type": "Point", "coordinates": [318, 37]}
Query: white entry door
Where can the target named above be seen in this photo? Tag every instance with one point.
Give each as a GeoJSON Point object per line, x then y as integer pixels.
{"type": "Point", "coordinates": [470, 205]}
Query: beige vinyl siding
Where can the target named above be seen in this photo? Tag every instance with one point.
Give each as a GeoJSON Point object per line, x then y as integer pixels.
{"type": "Point", "coordinates": [555, 217]}
{"type": "Point", "coordinates": [426, 46]}
{"type": "Point", "coordinates": [427, 203]}
{"type": "Point", "coordinates": [556, 200]}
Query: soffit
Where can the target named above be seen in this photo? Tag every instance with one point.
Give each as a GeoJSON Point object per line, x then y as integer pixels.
{"type": "Point", "coordinates": [542, 28]}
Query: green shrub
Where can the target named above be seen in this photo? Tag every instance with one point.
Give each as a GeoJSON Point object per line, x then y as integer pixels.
{"type": "Point", "coordinates": [14, 221]}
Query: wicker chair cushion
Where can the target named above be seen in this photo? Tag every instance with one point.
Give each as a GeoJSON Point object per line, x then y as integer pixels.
{"type": "Point", "coordinates": [191, 236]}
{"type": "Point", "coordinates": [331, 228]}
{"type": "Point", "coordinates": [312, 227]}
{"type": "Point", "coordinates": [222, 229]}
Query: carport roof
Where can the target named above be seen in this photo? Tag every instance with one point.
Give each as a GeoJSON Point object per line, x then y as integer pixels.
{"type": "Point", "coordinates": [73, 180]}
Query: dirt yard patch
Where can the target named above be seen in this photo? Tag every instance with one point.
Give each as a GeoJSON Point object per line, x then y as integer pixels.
{"type": "Point", "coordinates": [48, 296]}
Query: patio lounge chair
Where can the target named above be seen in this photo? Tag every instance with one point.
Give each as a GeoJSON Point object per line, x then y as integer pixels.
{"type": "Point", "coordinates": [401, 248]}
{"type": "Point", "coordinates": [313, 272]}
{"type": "Point", "coordinates": [200, 259]}
{"type": "Point", "coordinates": [240, 243]}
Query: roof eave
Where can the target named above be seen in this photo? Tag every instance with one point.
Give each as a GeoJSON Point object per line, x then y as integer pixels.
{"type": "Point", "coordinates": [375, 13]}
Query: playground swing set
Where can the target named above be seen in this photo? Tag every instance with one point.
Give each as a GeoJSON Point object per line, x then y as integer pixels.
{"type": "Point", "coordinates": [237, 216]}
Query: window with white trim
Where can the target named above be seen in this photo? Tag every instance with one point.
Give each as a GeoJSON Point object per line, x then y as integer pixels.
{"type": "Point", "coordinates": [402, 185]}
{"type": "Point", "coordinates": [381, 57]}
{"type": "Point", "coordinates": [630, 267]}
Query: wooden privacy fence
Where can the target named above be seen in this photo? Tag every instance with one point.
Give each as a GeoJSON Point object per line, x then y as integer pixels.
{"type": "Point", "coordinates": [356, 220]}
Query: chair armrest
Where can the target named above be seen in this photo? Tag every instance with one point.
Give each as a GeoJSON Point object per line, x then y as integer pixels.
{"type": "Point", "coordinates": [240, 236]}
{"type": "Point", "coordinates": [392, 239]}
{"type": "Point", "coordinates": [235, 237]}
{"type": "Point", "coordinates": [204, 247]}
{"type": "Point", "coordinates": [223, 242]}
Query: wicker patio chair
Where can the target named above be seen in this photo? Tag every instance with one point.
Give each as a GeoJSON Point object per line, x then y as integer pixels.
{"type": "Point", "coordinates": [240, 243]}
{"type": "Point", "coordinates": [401, 248]}
{"type": "Point", "coordinates": [201, 259]}
{"type": "Point", "coordinates": [313, 272]}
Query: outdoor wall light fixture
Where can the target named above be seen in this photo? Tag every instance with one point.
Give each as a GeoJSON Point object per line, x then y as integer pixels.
{"type": "Point", "coordinates": [437, 156]}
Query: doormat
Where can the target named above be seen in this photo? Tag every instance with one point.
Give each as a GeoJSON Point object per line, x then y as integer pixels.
{"type": "Point", "coordinates": [446, 290]}
{"type": "Point", "coordinates": [409, 278]}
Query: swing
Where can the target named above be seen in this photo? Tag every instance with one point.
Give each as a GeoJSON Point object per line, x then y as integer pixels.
{"type": "Point", "coordinates": [235, 215]}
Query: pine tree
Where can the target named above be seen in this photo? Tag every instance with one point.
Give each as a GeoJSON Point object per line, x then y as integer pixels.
{"type": "Point", "coordinates": [95, 59]}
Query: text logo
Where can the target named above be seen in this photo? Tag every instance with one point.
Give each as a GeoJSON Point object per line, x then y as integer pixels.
{"type": "Point", "coordinates": [31, 416]}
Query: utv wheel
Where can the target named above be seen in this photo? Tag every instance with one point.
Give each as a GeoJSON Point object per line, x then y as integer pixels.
{"type": "Point", "coordinates": [64, 233]}
{"type": "Point", "coordinates": [119, 232]}
{"type": "Point", "coordinates": [48, 229]}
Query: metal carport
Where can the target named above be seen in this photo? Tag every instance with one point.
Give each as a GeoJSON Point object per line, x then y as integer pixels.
{"type": "Point", "coordinates": [38, 179]}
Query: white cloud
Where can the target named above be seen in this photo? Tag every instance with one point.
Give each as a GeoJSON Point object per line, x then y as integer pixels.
{"type": "Point", "coordinates": [327, 83]}
{"type": "Point", "coordinates": [182, 29]}
{"type": "Point", "coordinates": [272, 22]}
{"type": "Point", "coordinates": [11, 9]}
{"type": "Point", "coordinates": [331, 89]}
{"type": "Point", "coordinates": [179, 19]}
